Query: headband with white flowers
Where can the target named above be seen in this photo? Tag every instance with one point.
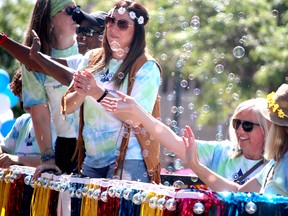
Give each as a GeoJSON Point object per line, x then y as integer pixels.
{"type": "Point", "coordinates": [132, 15]}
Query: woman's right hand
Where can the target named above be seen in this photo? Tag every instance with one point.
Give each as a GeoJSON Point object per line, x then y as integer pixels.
{"type": "Point", "coordinates": [49, 165]}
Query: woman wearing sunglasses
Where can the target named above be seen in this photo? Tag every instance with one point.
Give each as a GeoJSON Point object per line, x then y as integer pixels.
{"type": "Point", "coordinates": [231, 159]}
{"type": "Point", "coordinates": [52, 21]}
{"type": "Point", "coordinates": [273, 178]}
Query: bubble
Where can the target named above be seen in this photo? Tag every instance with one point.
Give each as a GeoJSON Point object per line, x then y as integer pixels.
{"type": "Point", "coordinates": [174, 123]}
{"type": "Point", "coordinates": [163, 57]}
{"type": "Point", "coordinates": [222, 55]}
{"type": "Point", "coordinates": [120, 75]}
{"type": "Point", "coordinates": [145, 153]}
{"type": "Point", "coordinates": [170, 97]}
{"type": "Point", "coordinates": [178, 184]}
{"type": "Point", "coordinates": [238, 52]}
{"type": "Point", "coordinates": [214, 80]}
{"type": "Point", "coordinates": [187, 47]}
{"type": "Point", "coordinates": [240, 15]}
{"type": "Point", "coordinates": [180, 109]}
{"type": "Point", "coordinates": [275, 13]}
{"type": "Point", "coordinates": [219, 136]}
{"type": "Point", "coordinates": [178, 164]}
{"type": "Point", "coordinates": [231, 76]}
{"type": "Point", "coordinates": [145, 174]}
{"type": "Point", "coordinates": [235, 96]}
{"type": "Point", "coordinates": [250, 207]}
{"type": "Point", "coordinates": [157, 34]}
{"type": "Point", "coordinates": [198, 208]}
{"type": "Point", "coordinates": [184, 25]}
{"type": "Point", "coordinates": [199, 62]}
{"type": "Point", "coordinates": [194, 178]}
{"type": "Point", "coordinates": [219, 68]}
{"type": "Point", "coordinates": [116, 153]}
{"type": "Point", "coordinates": [190, 77]}
{"type": "Point", "coordinates": [190, 106]}
{"type": "Point", "coordinates": [220, 101]}
{"type": "Point", "coordinates": [230, 85]}
{"type": "Point", "coordinates": [115, 46]}
{"type": "Point", "coordinates": [205, 108]}
{"type": "Point", "coordinates": [220, 91]}
{"type": "Point", "coordinates": [219, 128]}
{"type": "Point", "coordinates": [165, 151]}
{"type": "Point", "coordinates": [258, 93]}
{"type": "Point", "coordinates": [170, 169]}
{"type": "Point", "coordinates": [183, 83]}
{"type": "Point", "coordinates": [174, 109]}
{"type": "Point", "coordinates": [196, 91]}
{"type": "Point", "coordinates": [195, 24]}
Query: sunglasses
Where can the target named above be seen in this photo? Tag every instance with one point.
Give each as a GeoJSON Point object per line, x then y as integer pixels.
{"type": "Point", "coordinates": [246, 125]}
{"type": "Point", "coordinates": [121, 24]}
{"type": "Point", "coordinates": [87, 31]}
{"type": "Point", "coordinates": [70, 10]}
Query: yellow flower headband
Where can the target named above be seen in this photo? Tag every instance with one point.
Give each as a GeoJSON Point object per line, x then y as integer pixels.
{"type": "Point", "coordinates": [272, 105]}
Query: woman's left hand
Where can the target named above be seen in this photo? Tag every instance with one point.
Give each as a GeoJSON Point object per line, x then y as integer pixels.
{"type": "Point", "coordinates": [85, 83]}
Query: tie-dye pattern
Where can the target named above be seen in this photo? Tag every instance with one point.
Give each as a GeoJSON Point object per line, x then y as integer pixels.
{"type": "Point", "coordinates": [215, 155]}
{"type": "Point", "coordinates": [101, 132]}
{"type": "Point", "coordinates": [40, 88]}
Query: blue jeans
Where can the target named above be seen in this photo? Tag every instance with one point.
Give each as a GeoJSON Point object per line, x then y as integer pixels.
{"type": "Point", "coordinates": [134, 170]}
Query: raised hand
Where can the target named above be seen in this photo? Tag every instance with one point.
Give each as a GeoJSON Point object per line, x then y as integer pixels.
{"type": "Point", "coordinates": [191, 148]}
{"type": "Point", "coordinates": [84, 83]}
{"type": "Point", "coordinates": [36, 46]}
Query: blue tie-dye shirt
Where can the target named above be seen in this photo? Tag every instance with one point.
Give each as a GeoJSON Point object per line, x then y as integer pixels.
{"type": "Point", "coordinates": [40, 88]}
{"type": "Point", "coordinates": [216, 156]}
{"type": "Point", "coordinates": [101, 133]}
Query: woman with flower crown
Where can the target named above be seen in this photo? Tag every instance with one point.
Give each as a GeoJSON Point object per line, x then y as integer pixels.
{"type": "Point", "coordinates": [273, 179]}
{"type": "Point", "coordinates": [113, 150]}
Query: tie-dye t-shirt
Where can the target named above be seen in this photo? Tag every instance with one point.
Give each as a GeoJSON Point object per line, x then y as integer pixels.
{"type": "Point", "coordinates": [21, 139]}
{"type": "Point", "coordinates": [101, 133]}
{"type": "Point", "coordinates": [40, 88]}
{"type": "Point", "coordinates": [216, 156]}
{"type": "Point", "coordinates": [274, 178]}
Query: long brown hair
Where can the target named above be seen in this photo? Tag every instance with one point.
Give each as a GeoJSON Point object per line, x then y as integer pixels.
{"type": "Point", "coordinates": [137, 48]}
{"type": "Point", "coordinates": [40, 22]}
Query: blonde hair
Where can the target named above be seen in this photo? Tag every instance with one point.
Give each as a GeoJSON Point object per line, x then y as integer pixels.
{"type": "Point", "coordinates": [264, 123]}
{"type": "Point", "coordinates": [276, 142]}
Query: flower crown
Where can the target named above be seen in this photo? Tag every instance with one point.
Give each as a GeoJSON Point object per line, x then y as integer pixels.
{"type": "Point", "coordinates": [274, 106]}
{"type": "Point", "coordinates": [132, 15]}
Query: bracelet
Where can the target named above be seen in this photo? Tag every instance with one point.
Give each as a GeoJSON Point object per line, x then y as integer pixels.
{"type": "Point", "coordinates": [104, 95]}
{"type": "Point", "coordinates": [48, 154]}
{"type": "Point", "coordinates": [3, 38]}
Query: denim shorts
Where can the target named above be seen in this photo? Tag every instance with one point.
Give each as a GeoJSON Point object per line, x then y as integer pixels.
{"type": "Point", "coordinates": [134, 170]}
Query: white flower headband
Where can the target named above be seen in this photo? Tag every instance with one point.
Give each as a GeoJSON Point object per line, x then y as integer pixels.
{"type": "Point", "coordinates": [132, 15]}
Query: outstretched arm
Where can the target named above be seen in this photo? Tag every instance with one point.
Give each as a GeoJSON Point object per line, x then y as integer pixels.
{"type": "Point", "coordinates": [210, 178]}
{"type": "Point", "coordinates": [37, 61]}
{"type": "Point", "coordinates": [127, 105]}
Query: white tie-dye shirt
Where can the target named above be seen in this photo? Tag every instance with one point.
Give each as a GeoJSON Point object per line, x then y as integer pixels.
{"type": "Point", "coordinates": [40, 88]}
{"type": "Point", "coordinates": [216, 156]}
{"type": "Point", "coordinates": [101, 129]}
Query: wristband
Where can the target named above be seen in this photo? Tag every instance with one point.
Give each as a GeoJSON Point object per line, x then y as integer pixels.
{"type": "Point", "coordinates": [3, 38]}
{"type": "Point", "coordinates": [47, 155]}
{"type": "Point", "coordinates": [104, 95]}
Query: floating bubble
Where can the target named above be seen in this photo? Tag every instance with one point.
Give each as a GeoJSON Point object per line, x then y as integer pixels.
{"type": "Point", "coordinates": [196, 91]}
{"type": "Point", "coordinates": [219, 68]}
{"type": "Point", "coordinates": [219, 136]}
{"type": "Point", "coordinates": [163, 57]}
{"type": "Point", "coordinates": [174, 123]}
{"type": "Point", "coordinates": [195, 24]}
{"type": "Point", "coordinates": [180, 109]}
{"type": "Point", "coordinates": [214, 80]}
{"type": "Point", "coordinates": [194, 178]}
{"type": "Point", "coordinates": [199, 127]}
{"type": "Point", "coordinates": [178, 164]}
{"type": "Point", "coordinates": [219, 128]}
{"type": "Point", "coordinates": [222, 55]}
{"type": "Point", "coordinates": [116, 153]}
{"type": "Point", "coordinates": [220, 101]}
{"type": "Point", "coordinates": [235, 96]}
{"type": "Point", "coordinates": [170, 97]}
{"type": "Point", "coordinates": [259, 93]}
{"type": "Point", "coordinates": [250, 207]}
{"type": "Point", "coordinates": [190, 106]}
{"type": "Point", "coordinates": [170, 169]}
{"type": "Point", "coordinates": [115, 46]}
{"type": "Point", "coordinates": [220, 91]}
{"type": "Point", "coordinates": [165, 151]}
{"type": "Point", "coordinates": [120, 75]}
{"type": "Point", "coordinates": [190, 77]}
{"type": "Point", "coordinates": [184, 25]}
{"type": "Point", "coordinates": [238, 52]}
{"type": "Point", "coordinates": [198, 208]}
{"type": "Point", "coordinates": [145, 153]}
{"type": "Point", "coordinates": [187, 47]}
{"type": "Point", "coordinates": [240, 15]}
{"type": "Point", "coordinates": [199, 62]}
{"type": "Point", "coordinates": [206, 108]}
{"type": "Point", "coordinates": [178, 184]}
{"type": "Point", "coordinates": [275, 13]}
{"type": "Point", "coordinates": [230, 85]}
{"type": "Point", "coordinates": [183, 83]}
{"type": "Point", "coordinates": [174, 109]}
{"type": "Point", "coordinates": [231, 76]}
{"type": "Point", "coordinates": [157, 34]}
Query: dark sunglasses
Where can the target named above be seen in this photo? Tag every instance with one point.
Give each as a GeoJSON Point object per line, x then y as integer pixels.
{"type": "Point", "coordinates": [70, 10]}
{"type": "Point", "coordinates": [246, 125]}
{"type": "Point", "coordinates": [87, 31]}
{"type": "Point", "coordinates": [121, 24]}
